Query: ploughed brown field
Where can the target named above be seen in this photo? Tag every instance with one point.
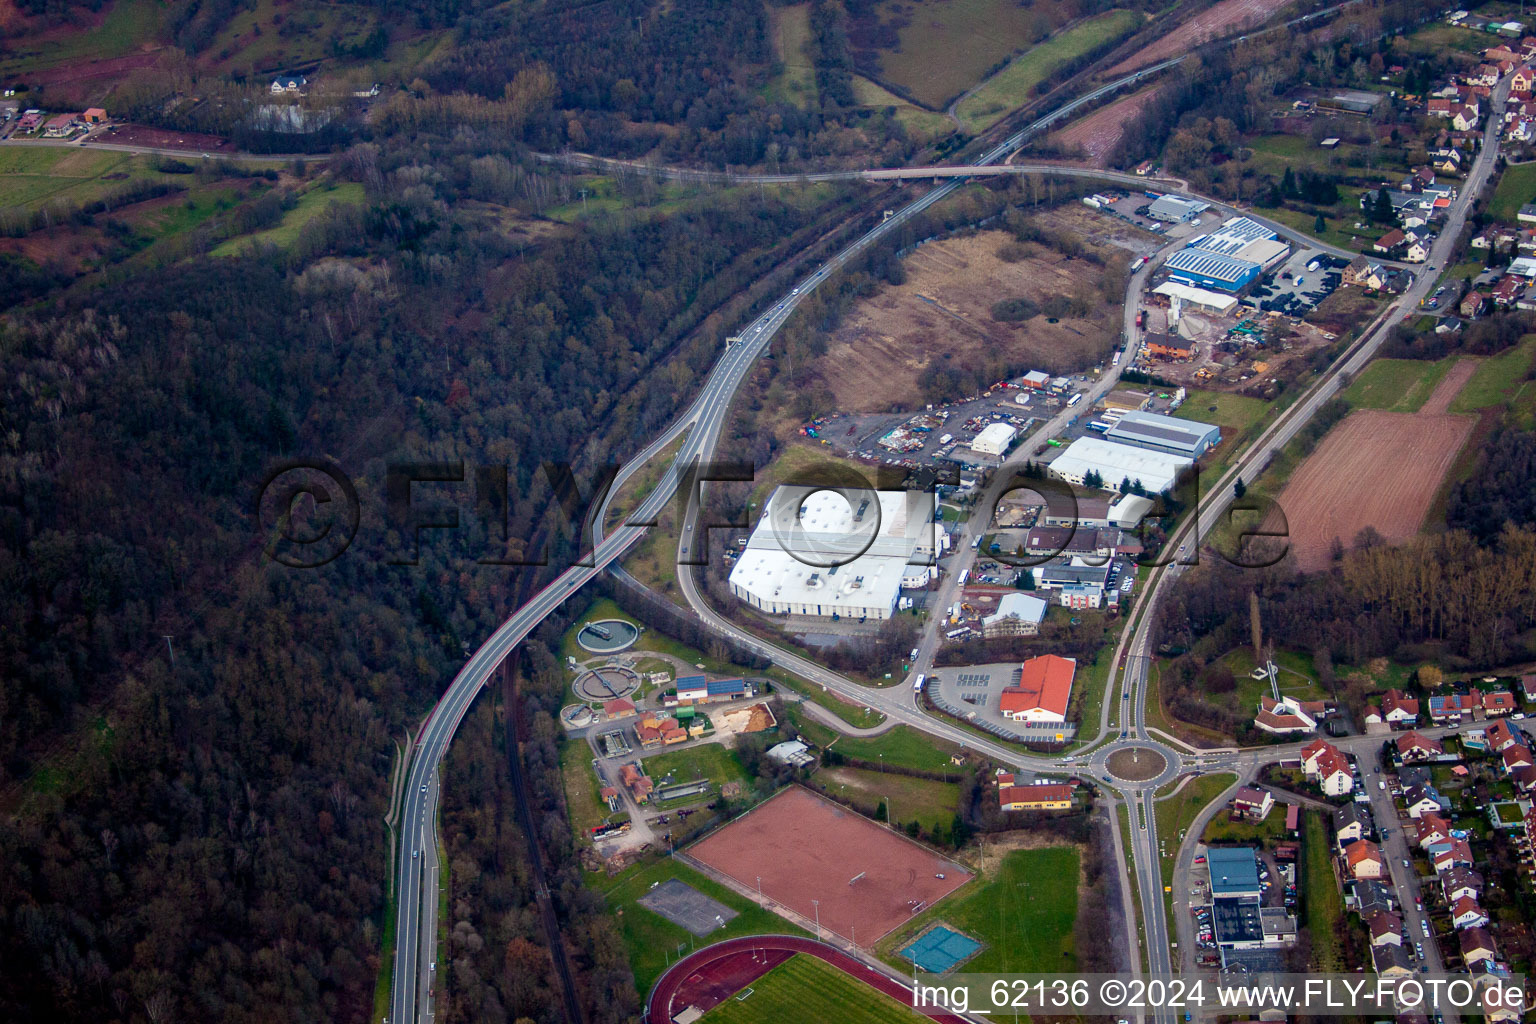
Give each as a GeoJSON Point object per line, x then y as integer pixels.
{"type": "Point", "coordinates": [1100, 132]}
{"type": "Point", "coordinates": [1378, 469]}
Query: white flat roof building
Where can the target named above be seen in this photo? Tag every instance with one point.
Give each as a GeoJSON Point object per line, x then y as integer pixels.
{"type": "Point", "coordinates": [788, 567]}
{"type": "Point", "coordinates": [1266, 252]}
{"type": "Point", "coordinates": [1116, 463]}
{"type": "Point", "coordinates": [994, 439]}
{"type": "Point", "coordinates": [1233, 236]}
{"type": "Point", "coordinates": [1201, 298]}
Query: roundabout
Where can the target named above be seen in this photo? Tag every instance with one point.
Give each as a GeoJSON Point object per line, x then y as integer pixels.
{"type": "Point", "coordinates": [1137, 764]}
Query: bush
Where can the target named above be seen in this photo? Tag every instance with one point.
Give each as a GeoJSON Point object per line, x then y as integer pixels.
{"type": "Point", "coordinates": [1011, 311]}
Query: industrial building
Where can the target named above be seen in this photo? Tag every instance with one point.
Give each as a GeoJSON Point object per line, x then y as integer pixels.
{"type": "Point", "coordinates": [1115, 463]}
{"type": "Point", "coordinates": [1211, 270]}
{"type": "Point", "coordinates": [1017, 615]}
{"type": "Point", "coordinates": [1202, 299]}
{"type": "Point", "coordinates": [1165, 433]}
{"type": "Point", "coordinates": [994, 439]}
{"type": "Point", "coordinates": [1173, 210]}
{"type": "Point", "coordinates": [1244, 238]}
{"type": "Point", "coordinates": [1043, 692]}
{"type": "Point", "coordinates": [789, 564]}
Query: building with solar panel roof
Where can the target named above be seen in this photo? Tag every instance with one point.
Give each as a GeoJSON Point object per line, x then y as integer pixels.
{"type": "Point", "coordinates": [1165, 434]}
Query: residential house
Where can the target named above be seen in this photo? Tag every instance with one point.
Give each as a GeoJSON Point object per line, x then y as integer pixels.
{"type": "Point", "coordinates": [1467, 913]}
{"type": "Point", "coordinates": [1477, 944]}
{"type": "Point", "coordinates": [1415, 746]}
{"type": "Point", "coordinates": [1433, 830]}
{"type": "Point", "coordinates": [1358, 272]}
{"type": "Point", "coordinates": [1517, 755]}
{"type": "Point", "coordinates": [1422, 800]}
{"type": "Point", "coordinates": [1351, 822]}
{"type": "Point", "coordinates": [1528, 688]}
{"type": "Point", "coordinates": [1465, 117]}
{"type": "Point", "coordinates": [1399, 709]}
{"type": "Point", "coordinates": [1390, 241]}
{"type": "Point", "coordinates": [1524, 778]}
{"type": "Point", "coordinates": [1363, 859]}
{"type": "Point", "coordinates": [1386, 929]}
{"type": "Point", "coordinates": [1461, 882]}
{"type": "Point", "coordinates": [1474, 303]}
{"type": "Point", "coordinates": [1449, 708]}
{"type": "Point", "coordinates": [1500, 736]}
{"type": "Point", "coordinates": [1392, 961]}
{"type": "Point", "coordinates": [1326, 765]}
{"type": "Point", "coordinates": [1369, 896]}
{"type": "Point", "coordinates": [58, 126]}
{"type": "Point", "coordinates": [1455, 854]}
{"type": "Point", "coordinates": [289, 85]}
{"type": "Point", "coordinates": [1417, 251]}
{"type": "Point", "coordinates": [1442, 106]}
{"type": "Point", "coordinates": [1522, 80]}
{"type": "Point", "coordinates": [1252, 804]}
{"type": "Point", "coordinates": [1505, 294]}
{"type": "Point", "coordinates": [1499, 703]}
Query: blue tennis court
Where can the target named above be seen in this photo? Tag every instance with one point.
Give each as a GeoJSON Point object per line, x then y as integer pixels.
{"type": "Point", "coordinates": [939, 949]}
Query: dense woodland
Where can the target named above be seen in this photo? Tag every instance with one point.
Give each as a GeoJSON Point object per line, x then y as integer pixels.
{"type": "Point", "coordinates": [193, 828]}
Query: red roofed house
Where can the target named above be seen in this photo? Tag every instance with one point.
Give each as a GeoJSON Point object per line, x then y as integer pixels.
{"type": "Point", "coordinates": [1044, 797]}
{"type": "Point", "coordinates": [1324, 763]}
{"type": "Point", "coordinates": [1391, 240]}
{"type": "Point", "coordinates": [1467, 913]}
{"type": "Point", "coordinates": [1522, 80]}
{"type": "Point", "coordinates": [1500, 736]}
{"type": "Point", "coordinates": [1517, 756]}
{"type": "Point", "coordinates": [1386, 929]}
{"type": "Point", "coordinates": [1045, 687]}
{"type": "Point", "coordinates": [1412, 746]}
{"type": "Point", "coordinates": [1433, 828]}
{"type": "Point", "coordinates": [1441, 106]}
{"type": "Point", "coordinates": [1397, 708]}
{"type": "Point", "coordinates": [1363, 858]}
{"type": "Point", "coordinates": [1454, 854]}
{"type": "Point", "coordinates": [1499, 703]}
{"type": "Point", "coordinates": [1252, 803]}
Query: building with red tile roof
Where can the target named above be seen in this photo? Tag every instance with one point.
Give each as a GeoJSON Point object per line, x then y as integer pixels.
{"type": "Point", "coordinates": [1043, 691]}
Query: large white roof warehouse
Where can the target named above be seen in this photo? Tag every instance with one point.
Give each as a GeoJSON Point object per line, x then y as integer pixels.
{"type": "Point", "coordinates": [787, 567]}
{"type": "Point", "coordinates": [1117, 462]}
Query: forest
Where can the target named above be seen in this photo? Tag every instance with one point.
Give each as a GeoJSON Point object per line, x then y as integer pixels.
{"type": "Point", "coordinates": [196, 742]}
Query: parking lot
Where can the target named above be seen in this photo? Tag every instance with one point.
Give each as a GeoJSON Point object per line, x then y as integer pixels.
{"type": "Point", "coordinates": [1297, 286]}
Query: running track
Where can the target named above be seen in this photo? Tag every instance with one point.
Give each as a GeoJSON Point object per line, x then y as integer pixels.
{"type": "Point", "coordinates": [697, 970]}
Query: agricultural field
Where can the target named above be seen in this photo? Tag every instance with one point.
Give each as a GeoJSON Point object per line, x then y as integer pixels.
{"type": "Point", "coordinates": [942, 312]}
{"type": "Point", "coordinates": [1015, 84]}
{"type": "Point", "coordinates": [1502, 380]}
{"type": "Point", "coordinates": [1097, 134]}
{"type": "Point", "coordinates": [1377, 469]}
{"type": "Point", "coordinates": [1516, 187]}
{"type": "Point", "coordinates": [946, 46]}
{"type": "Point", "coordinates": [1022, 908]}
{"type": "Point", "coordinates": [789, 30]}
{"type": "Point", "coordinates": [1396, 385]}
{"type": "Point", "coordinates": [310, 205]}
{"type": "Point", "coordinates": [1223, 19]}
{"type": "Point", "coordinates": [33, 176]}
{"type": "Point", "coordinates": [805, 988]}
{"type": "Point", "coordinates": [120, 29]}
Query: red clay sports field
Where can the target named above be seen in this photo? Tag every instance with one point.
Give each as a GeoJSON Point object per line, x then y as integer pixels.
{"type": "Point", "coordinates": [819, 859]}
{"type": "Point", "coordinates": [707, 978]}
